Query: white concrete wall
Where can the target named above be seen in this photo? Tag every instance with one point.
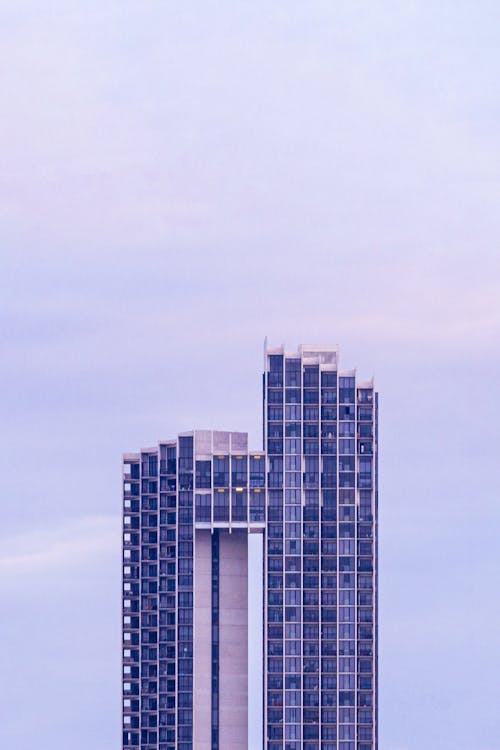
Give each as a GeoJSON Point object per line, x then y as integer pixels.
{"type": "Point", "coordinates": [233, 638]}
{"type": "Point", "coordinates": [255, 639]}
{"type": "Point", "coordinates": [202, 685]}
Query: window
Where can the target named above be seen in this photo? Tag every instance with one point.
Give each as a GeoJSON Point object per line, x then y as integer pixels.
{"type": "Point", "coordinates": [203, 507]}
{"type": "Point", "coordinates": [347, 412]}
{"type": "Point", "coordinates": [293, 373]}
{"type": "Point", "coordinates": [365, 413]}
{"type": "Point", "coordinates": [203, 474]}
{"type": "Point", "coordinates": [365, 447]}
{"type": "Point", "coordinates": [365, 564]}
{"type": "Point", "coordinates": [275, 396]}
{"type": "Point", "coordinates": [276, 362]}
{"type": "Point", "coordinates": [311, 447]}
{"type": "Point", "coordinates": [239, 471]}
{"type": "Point", "coordinates": [275, 413]}
{"type": "Point", "coordinates": [311, 547]}
{"type": "Point", "coordinates": [293, 698]}
{"type": "Point", "coordinates": [275, 430]}
{"type": "Point", "coordinates": [365, 716]}
{"type": "Point", "coordinates": [365, 682]}
{"type": "Point", "coordinates": [293, 512]}
{"type": "Point", "coordinates": [239, 505]}
{"type": "Point", "coordinates": [328, 447]}
{"type": "Point", "coordinates": [257, 471]}
{"type": "Point", "coordinates": [275, 514]}
{"type": "Point", "coordinates": [311, 413]}
{"type": "Point", "coordinates": [292, 479]}
{"type": "Point", "coordinates": [292, 445]}
{"type": "Point", "coordinates": [293, 563]}
{"type": "Point", "coordinates": [293, 664]}
{"type": "Point", "coordinates": [346, 732]}
{"type": "Point", "coordinates": [365, 699]}
{"type": "Point", "coordinates": [221, 505]}
{"type": "Point", "coordinates": [311, 396]}
{"type": "Point", "coordinates": [365, 430]}
{"type": "Point", "coordinates": [293, 463]}
{"type": "Point", "coordinates": [293, 546]}
{"type": "Point", "coordinates": [328, 396]}
{"type": "Point", "coordinates": [346, 698]}
{"type": "Point", "coordinates": [257, 505]}
{"type": "Point", "coordinates": [292, 648]}
{"type": "Point", "coordinates": [328, 413]}
{"type": "Point", "coordinates": [346, 429]}
{"type": "Point", "coordinates": [311, 430]}
{"type": "Point", "coordinates": [311, 376]}
{"type": "Point", "coordinates": [275, 581]}
{"type": "Point", "coordinates": [365, 632]}
{"type": "Point", "coordinates": [328, 430]}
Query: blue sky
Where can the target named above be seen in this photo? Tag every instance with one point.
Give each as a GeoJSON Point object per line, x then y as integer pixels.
{"type": "Point", "coordinates": [179, 180]}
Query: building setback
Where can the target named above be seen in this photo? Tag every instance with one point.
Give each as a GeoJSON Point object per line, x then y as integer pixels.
{"type": "Point", "coordinates": [188, 507]}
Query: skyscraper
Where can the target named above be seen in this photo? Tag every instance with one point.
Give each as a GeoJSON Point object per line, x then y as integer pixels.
{"type": "Point", "coordinates": [311, 494]}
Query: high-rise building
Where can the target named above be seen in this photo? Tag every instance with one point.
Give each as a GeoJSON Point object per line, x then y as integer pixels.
{"type": "Point", "coordinates": [189, 505]}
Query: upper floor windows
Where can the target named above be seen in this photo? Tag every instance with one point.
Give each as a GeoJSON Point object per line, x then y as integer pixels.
{"type": "Point", "coordinates": [275, 379]}
{"type": "Point", "coordinates": [365, 429]}
{"type": "Point", "coordinates": [275, 374]}
{"type": "Point", "coordinates": [203, 474]}
{"type": "Point", "coordinates": [328, 396]}
{"type": "Point", "coordinates": [221, 471]}
{"type": "Point", "coordinates": [311, 396]}
{"type": "Point", "coordinates": [311, 376]}
{"type": "Point", "coordinates": [203, 507]}
{"type": "Point", "coordinates": [292, 373]}
{"type": "Point", "coordinates": [132, 471]}
{"type": "Point", "coordinates": [186, 446]}
{"type": "Point", "coordinates": [329, 379]}
{"type": "Point", "coordinates": [365, 413]}
{"type": "Point", "coordinates": [149, 465]}
{"type": "Point", "coordinates": [257, 471]}
{"type": "Point", "coordinates": [365, 395]}
{"type": "Point", "coordinates": [239, 471]}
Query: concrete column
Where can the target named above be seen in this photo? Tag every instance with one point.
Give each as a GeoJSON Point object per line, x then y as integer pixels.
{"type": "Point", "coordinates": [233, 638]}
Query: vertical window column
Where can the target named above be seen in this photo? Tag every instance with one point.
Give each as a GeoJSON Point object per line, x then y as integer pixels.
{"type": "Point", "coordinates": [311, 561]}
{"type": "Point", "coordinates": [131, 583]}
{"type": "Point", "coordinates": [167, 588]}
{"type": "Point", "coordinates": [215, 640]}
{"type": "Point", "coordinates": [185, 555]}
{"type": "Point", "coordinates": [366, 571]}
{"type": "Point", "coordinates": [149, 601]}
{"type": "Point", "coordinates": [275, 554]}
{"type": "Point", "coordinates": [329, 559]}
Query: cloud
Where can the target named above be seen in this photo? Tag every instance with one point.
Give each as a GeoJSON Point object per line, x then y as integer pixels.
{"type": "Point", "coordinates": [69, 545]}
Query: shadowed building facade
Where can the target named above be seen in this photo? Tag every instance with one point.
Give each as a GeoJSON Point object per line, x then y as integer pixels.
{"type": "Point", "coordinates": [189, 505]}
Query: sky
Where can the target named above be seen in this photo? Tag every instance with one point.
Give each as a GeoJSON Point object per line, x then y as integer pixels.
{"type": "Point", "coordinates": [179, 180]}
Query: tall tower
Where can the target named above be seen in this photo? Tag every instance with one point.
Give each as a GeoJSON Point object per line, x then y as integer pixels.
{"type": "Point", "coordinates": [188, 507]}
{"type": "Point", "coordinates": [321, 557]}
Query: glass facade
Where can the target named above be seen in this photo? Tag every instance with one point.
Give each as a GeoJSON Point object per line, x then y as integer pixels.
{"type": "Point", "coordinates": [312, 494]}
{"type": "Point", "coordinates": [320, 646]}
{"type": "Point", "coordinates": [169, 493]}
